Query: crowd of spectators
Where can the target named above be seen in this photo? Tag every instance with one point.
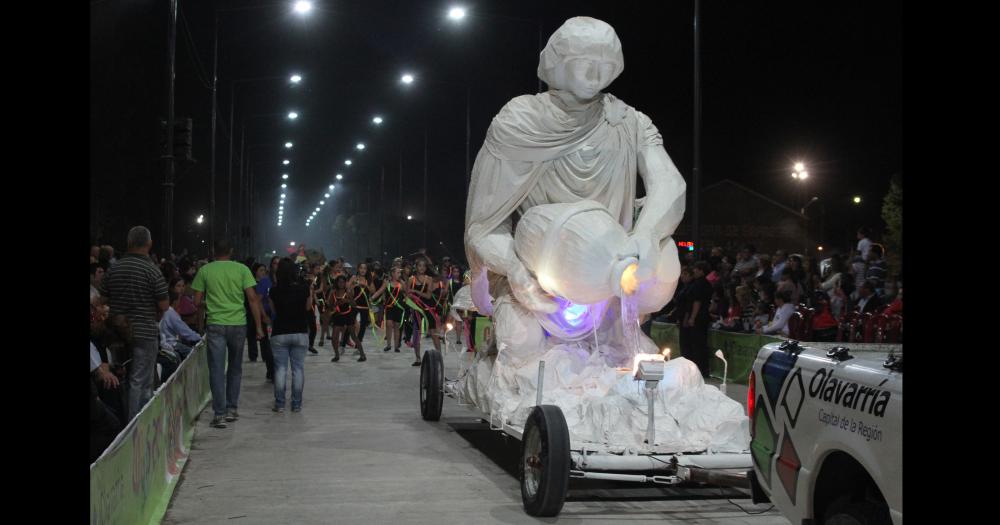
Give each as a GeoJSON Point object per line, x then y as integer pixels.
{"type": "Point", "coordinates": [760, 293]}
{"type": "Point", "coordinates": [149, 312]}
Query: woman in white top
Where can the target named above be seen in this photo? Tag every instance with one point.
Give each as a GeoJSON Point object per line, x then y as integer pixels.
{"type": "Point", "coordinates": [784, 311]}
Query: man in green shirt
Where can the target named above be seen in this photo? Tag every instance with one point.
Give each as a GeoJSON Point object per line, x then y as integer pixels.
{"type": "Point", "coordinates": [221, 286]}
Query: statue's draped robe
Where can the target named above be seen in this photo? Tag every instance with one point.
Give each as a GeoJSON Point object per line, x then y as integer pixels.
{"type": "Point", "coordinates": [535, 153]}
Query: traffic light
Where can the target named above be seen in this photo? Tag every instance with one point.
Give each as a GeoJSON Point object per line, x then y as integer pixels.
{"type": "Point", "coordinates": [183, 141]}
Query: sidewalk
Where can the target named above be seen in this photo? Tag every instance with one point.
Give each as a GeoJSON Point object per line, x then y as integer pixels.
{"type": "Point", "coordinates": [359, 452]}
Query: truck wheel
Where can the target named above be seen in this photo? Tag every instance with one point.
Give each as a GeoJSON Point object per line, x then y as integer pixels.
{"type": "Point", "coordinates": [847, 512]}
{"type": "Point", "coordinates": [545, 461]}
{"type": "Point", "coordinates": [431, 385]}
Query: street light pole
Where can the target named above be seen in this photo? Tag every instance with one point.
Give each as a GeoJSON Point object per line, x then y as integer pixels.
{"type": "Point", "coordinates": [168, 156]}
{"type": "Point", "coordinates": [215, 104]}
{"type": "Point", "coordinates": [425, 188]}
{"type": "Point", "coordinates": [696, 182]}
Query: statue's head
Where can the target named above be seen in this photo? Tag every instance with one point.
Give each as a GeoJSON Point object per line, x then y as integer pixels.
{"type": "Point", "coordinates": [583, 57]}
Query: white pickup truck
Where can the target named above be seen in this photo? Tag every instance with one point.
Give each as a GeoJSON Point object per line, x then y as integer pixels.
{"type": "Point", "coordinates": [826, 425]}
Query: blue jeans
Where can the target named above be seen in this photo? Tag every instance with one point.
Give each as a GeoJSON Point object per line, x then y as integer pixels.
{"type": "Point", "coordinates": [222, 342]}
{"type": "Point", "coordinates": [141, 374]}
{"type": "Point", "coordinates": [283, 347]}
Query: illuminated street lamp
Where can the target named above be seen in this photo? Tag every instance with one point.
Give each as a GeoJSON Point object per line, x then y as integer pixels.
{"type": "Point", "coordinates": [284, 176]}
{"type": "Point", "coordinates": [200, 219]}
{"type": "Point", "coordinates": [360, 146]}
{"type": "Point", "coordinates": [302, 7]}
{"type": "Point", "coordinates": [377, 119]}
{"type": "Point", "coordinates": [286, 162]}
{"type": "Point", "coordinates": [348, 162]}
{"type": "Point", "coordinates": [331, 187]}
{"type": "Point", "coordinates": [296, 79]}
{"type": "Point", "coordinates": [283, 186]}
{"type": "Point", "coordinates": [339, 177]}
{"type": "Point", "coordinates": [857, 199]}
{"type": "Point", "coordinates": [292, 115]}
{"type": "Point", "coordinates": [406, 78]}
{"type": "Point", "coordinates": [409, 217]}
{"type": "Point", "coordinates": [456, 13]}
{"type": "Point", "coordinates": [288, 145]}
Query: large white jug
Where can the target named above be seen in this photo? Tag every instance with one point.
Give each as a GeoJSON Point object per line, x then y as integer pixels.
{"type": "Point", "coordinates": [574, 250]}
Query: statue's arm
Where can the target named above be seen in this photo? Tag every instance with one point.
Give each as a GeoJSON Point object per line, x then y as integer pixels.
{"type": "Point", "coordinates": [496, 251]}
{"type": "Point", "coordinates": [665, 189]}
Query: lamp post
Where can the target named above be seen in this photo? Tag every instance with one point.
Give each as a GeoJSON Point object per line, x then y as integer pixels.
{"type": "Point", "coordinates": [800, 174]}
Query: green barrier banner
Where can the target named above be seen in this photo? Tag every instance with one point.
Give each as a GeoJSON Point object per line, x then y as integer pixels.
{"type": "Point", "coordinates": [739, 349]}
{"type": "Point", "coordinates": [131, 483]}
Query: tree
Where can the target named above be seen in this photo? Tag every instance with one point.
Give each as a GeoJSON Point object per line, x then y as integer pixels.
{"type": "Point", "coordinates": [892, 214]}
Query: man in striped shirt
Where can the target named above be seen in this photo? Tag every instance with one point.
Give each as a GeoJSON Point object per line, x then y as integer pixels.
{"type": "Point", "coordinates": [135, 288]}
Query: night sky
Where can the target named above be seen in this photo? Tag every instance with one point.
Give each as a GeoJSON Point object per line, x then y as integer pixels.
{"type": "Point", "coordinates": [781, 82]}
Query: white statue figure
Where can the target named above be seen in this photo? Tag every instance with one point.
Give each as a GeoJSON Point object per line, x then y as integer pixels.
{"type": "Point", "coordinates": [570, 144]}
{"type": "Point", "coordinates": [549, 216]}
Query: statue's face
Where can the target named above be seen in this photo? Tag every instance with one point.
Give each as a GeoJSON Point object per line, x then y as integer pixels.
{"type": "Point", "coordinates": [586, 77]}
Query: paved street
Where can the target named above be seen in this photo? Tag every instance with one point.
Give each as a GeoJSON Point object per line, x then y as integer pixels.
{"type": "Point", "coordinates": [359, 452]}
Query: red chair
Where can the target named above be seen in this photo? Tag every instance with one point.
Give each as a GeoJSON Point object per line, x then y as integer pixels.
{"type": "Point", "coordinates": [888, 328]}
{"type": "Point", "coordinates": [847, 327]}
{"type": "Point", "coordinates": [868, 328]}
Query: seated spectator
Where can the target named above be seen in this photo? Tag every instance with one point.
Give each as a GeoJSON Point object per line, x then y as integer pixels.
{"type": "Point", "coordinates": [788, 284]}
{"type": "Point", "coordinates": [877, 267]}
{"type": "Point", "coordinates": [104, 425]}
{"type": "Point", "coordinates": [868, 300]}
{"type": "Point", "coordinates": [785, 309]}
{"type": "Point", "coordinates": [824, 324]}
{"type": "Point", "coordinates": [732, 321]}
{"type": "Point", "coordinates": [778, 263]}
{"type": "Point", "coordinates": [764, 265]}
{"type": "Point", "coordinates": [96, 274]}
{"type": "Point", "coordinates": [744, 299]}
{"type": "Point", "coordinates": [176, 333]}
{"type": "Point", "coordinates": [746, 261]}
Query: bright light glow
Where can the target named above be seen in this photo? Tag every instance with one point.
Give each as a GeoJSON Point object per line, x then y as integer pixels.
{"type": "Point", "coordinates": [857, 200]}
{"type": "Point", "coordinates": [666, 353]}
{"type": "Point", "coordinates": [200, 219]}
{"type": "Point", "coordinates": [322, 203]}
{"type": "Point", "coordinates": [360, 146]}
{"type": "Point", "coordinates": [317, 209]}
{"type": "Point", "coordinates": [282, 195]}
{"type": "Point", "coordinates": [331, 187]}
{"type": "Point", "coordinates": [795, 174]}
{"type": "Point", "coordinates": [449, 326]}
{"type": "Point", "coordinates": [348, 162]}
{"type": "Point", "coordinates": [296, 79]}
{"type": "Point", "coordinates": [303, 6]}
{"type": "Point", "coordinates": [292, 243]}
{"type": "Point", "coordinates": [574, 314]}
{"type": "Point", "coordinates": [339, 177]}
{"type": "Point", "coordinates": [546, 281]}
{"type": "Point", "coordinates": [803, 174]}
{"type": "Point", "coordinates": [286, 162]}
{"type": "Point", "coordinates": [288, 145]}
{"type": "Point", "coordinates": [292, 115]}
{"type": "Point", "coordinates": [820, 248]}
{"type": "Point", "coordinates": [799, 166]}
{"type": "Point", "coordinates": [409, 217]}
{"type": "Point", "coordinates": [456, 13]}
{"type": "Point", "coordinates": [407, 78]}
{"type": "Point", "coordinates": [284, 176]}
{"type": "Point", "coordinates": [283, 186]}
{"type": "Point", "coordinates": [326, 195]}
{"type": "Point", "coordinates": [377, 120]}
{"type": "Point", "coordinates": [629, 282]}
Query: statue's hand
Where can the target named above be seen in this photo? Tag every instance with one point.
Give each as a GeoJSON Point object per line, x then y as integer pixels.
{"type": "Point", "coordinates": [529, 293]}
{"type": "Point", "coordinates": [643, 244]}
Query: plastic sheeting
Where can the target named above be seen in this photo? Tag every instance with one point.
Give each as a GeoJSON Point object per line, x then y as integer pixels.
{"type": "Point", "coordinates": [605, 405]}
